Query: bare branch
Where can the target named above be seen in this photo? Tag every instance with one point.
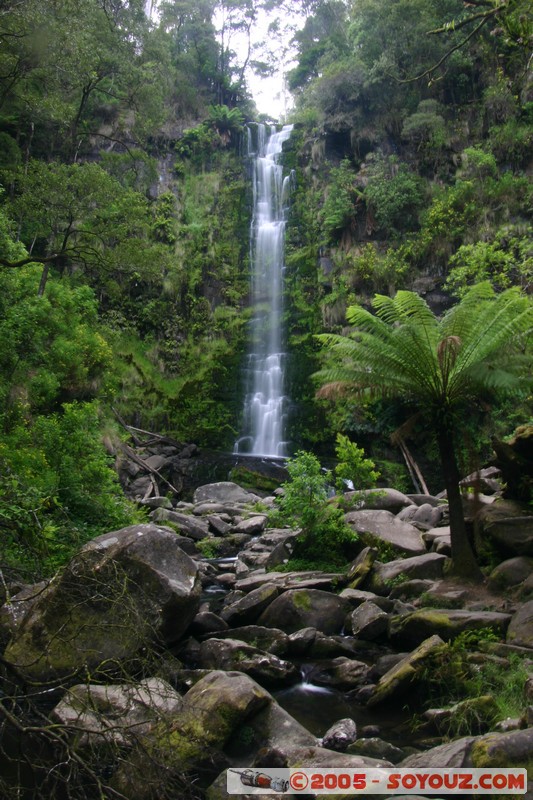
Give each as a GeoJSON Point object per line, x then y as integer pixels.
{"type": "Point", "coordinates": [446, 56]}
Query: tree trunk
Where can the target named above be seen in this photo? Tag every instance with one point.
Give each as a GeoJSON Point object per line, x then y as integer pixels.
{"type": "Point", "coordinates": [463, 558]}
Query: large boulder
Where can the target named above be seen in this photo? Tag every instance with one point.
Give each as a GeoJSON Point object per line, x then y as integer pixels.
{"type": "Point", "coordinates": [122, 592]}
{"type": "Point", "coordinates": [450, 754]}
{"type": "Point", "coordinates": [415, 626]}
{"type": "Point", "coordinates": [511, 572]}
{"type": "Point", "coordinates": [368, 621]}
{"type": "Point", "coordinates": [248, 608]}
{"type": "Point", "coordinates": [520, 630]}
{"type": "Point", "coordinates": [383, 576]}
{"type": "Point", "coordinates": [514, 748]}
{"type": "Point", "coordinates": [402, 674]}
{"type": "Point", "coordinates": [224, 492]}
{"type": "Point", "coordinates": [306, 608]}
{"type": "Point", "coordinates": [402, 537]}
{"type": "Point", "coordinates": [509, 525]}
{"type": "Point", "coordinates": [117, 713]}
{"type": "Point", "coordinates": [381, 499]}
{"type": "Point", "coordinates": [231, 654]}
{"type": "Point", "coordinates": [189, 526]}
{"type": "Point", "coordinates": [341, 673]}
{"type": "Point", "coordinates": [270, 639]}
{"type": "Point", "coordinates": [211, 712]}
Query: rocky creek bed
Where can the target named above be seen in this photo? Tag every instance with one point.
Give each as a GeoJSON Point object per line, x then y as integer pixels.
{"type": "Point", "coordinates": [166, 666]}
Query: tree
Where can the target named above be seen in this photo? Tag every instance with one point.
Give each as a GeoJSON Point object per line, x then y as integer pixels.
{"type": "Point", "coordinates": [440, 367]}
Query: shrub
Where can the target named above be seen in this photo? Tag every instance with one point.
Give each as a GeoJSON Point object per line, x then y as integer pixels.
{"type": "Point", "coordinates": [324, 534]}
{"type": "Point", "coordinates": [353, 466]}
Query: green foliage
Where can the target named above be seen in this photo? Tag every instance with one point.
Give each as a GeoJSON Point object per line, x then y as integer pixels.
{"type": "Point", "coordinates": [453, 675]}
{"type": "Point", "coordinates": [52, 349]}
{"type": "Point", "coordinates": [353, 466]}
{"type": "Point", "coordinates": [395, 195]}
{"type": "Point", "coordinates": [324, 534]}
{"type": "Point", "coordinates": [437, 366]}
{"type": "Point", "coordinates": [338, 210]}
{"type": "Point", "coordinates": [58, 488]}
{"type": "Point", "coordinates": [505, 261]}
{"type": "Point", "coordinates": [210, 548]}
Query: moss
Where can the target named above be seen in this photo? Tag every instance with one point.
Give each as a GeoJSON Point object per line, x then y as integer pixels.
{"type": "Point", "coordinates": [251, 479]}
{"type": "Point", "coordinates": [302, 600]}
{"type": "Point", "coordinates": [491, 752]}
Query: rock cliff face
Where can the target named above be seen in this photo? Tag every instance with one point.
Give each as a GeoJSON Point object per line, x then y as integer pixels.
{"type": "Point", "coordinates": [129, 604]}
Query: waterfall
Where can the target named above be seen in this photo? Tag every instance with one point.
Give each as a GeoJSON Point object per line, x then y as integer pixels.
{"type": "Point", "coordinates": [265, 403]}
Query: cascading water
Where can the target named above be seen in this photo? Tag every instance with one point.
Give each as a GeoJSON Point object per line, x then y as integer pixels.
{"type": "Point", "coordinates": [265, 404]}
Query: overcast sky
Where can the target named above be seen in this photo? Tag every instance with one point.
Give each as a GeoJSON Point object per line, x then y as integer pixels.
{"type": "Point", "coordinates": [270, 94]}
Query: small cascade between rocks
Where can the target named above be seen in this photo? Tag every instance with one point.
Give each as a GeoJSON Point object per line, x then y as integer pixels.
{"type": "Point", "coordinates": [265, 404]}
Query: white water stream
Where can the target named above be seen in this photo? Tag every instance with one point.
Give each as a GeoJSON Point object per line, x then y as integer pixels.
{"type": "Point", "coordinates": [265, 403]}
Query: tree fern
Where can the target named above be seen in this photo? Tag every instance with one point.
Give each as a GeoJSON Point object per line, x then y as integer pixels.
{"type": "Point", "coordinates": [437, 365]}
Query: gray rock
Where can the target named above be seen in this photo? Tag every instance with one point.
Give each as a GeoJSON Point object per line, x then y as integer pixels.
{"type": "Point", "coordinates": [218, 525]}
{"type": "Point", "coordinates": [451, 754]}
{"type": "Point", "coordinates": [357, 597]}
{"type": "Point", "coordinates": [380, 499]}
{"type": "Point", "coordinates": [510, 525]}
{"type": "Point", "coordinates": [512, 749]}
{"type": "Point", "coordinates": [207, 622]}
{"type": "Point", "coordinates": [360, 567]}
{"type": "Point", "coordinates": [520, 630]}
{"type": "Point", "coordinates": [376, 748]}
{"type": "Point", "coordinates": [275, 730]}
{"type": "Point", "coordinates": [224, 492]}
{"type": "Point", "coordinates": [400, 676]}
{"type": "Point", "coordinates": [341, 673]}
{"type": "Point", "coordinates": [429, 565]}
{"type": "Point", "coordinates": [384, 663]}
{"type": "Point", "coordinates": [333, 646]}
{"type": "Point", "coordinates": [426, 517]}
{"type": "Point", "coordinates": [207, 508]}
{"type": "Point", "coordinates": [368, 621]}
{"type": "Point", "coordinates": [252, 526]}
{"type": "Point", "coordinates": [420, 499]}
{"type": "Point", "coordinates": [157, 502]}
{"type": "Point", "coordinates": [401, 536]}
{"type": "Point", "coordinates": [249, 608]}
{"type": "Point", "coordinates": [122, 592]}
{"type": "Point", "coordinates": [322, 758]}
{"type": "Point", "coordinates": [414, 627]}
{"type": "Point", "coordinates": [485, 480]}
{"type": "Point", "coordinates": [188, 525]}
{"type": "Point", "coordinates": [231, 654]}
{"type": "Point", "coordinates": [303, 608]}
{"type": "Point", "coordinates": [341, 734]}
{"type": "Point", "coordinates": [14, 610]}
{"type": "Point", "coordinates": [272, 640]}
{"type": "Point", "coordinates": [409, 589]}
{"type": "Point", "coordinates": [155, 462]}
{"type": "Point", "coordinates": [115, 714]}
{"type": "Point", "coordinates": [511, 572]}
{"type": "Point", "coordinates": [212, 710]}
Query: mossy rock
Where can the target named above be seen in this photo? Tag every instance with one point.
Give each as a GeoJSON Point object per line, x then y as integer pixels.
{"type": "Point", "coordinates": [213, 709]}
{"type": "Point", "coordinates": [400, 677]}
{"type": "Point", "coordinates": [448, 623]}
{"type": "Point", "coordinates": [123, 592]}
{"type": "Point", "coordinates": [306, 608]}
{"type": "Point", "coordinates": [512, 749]}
